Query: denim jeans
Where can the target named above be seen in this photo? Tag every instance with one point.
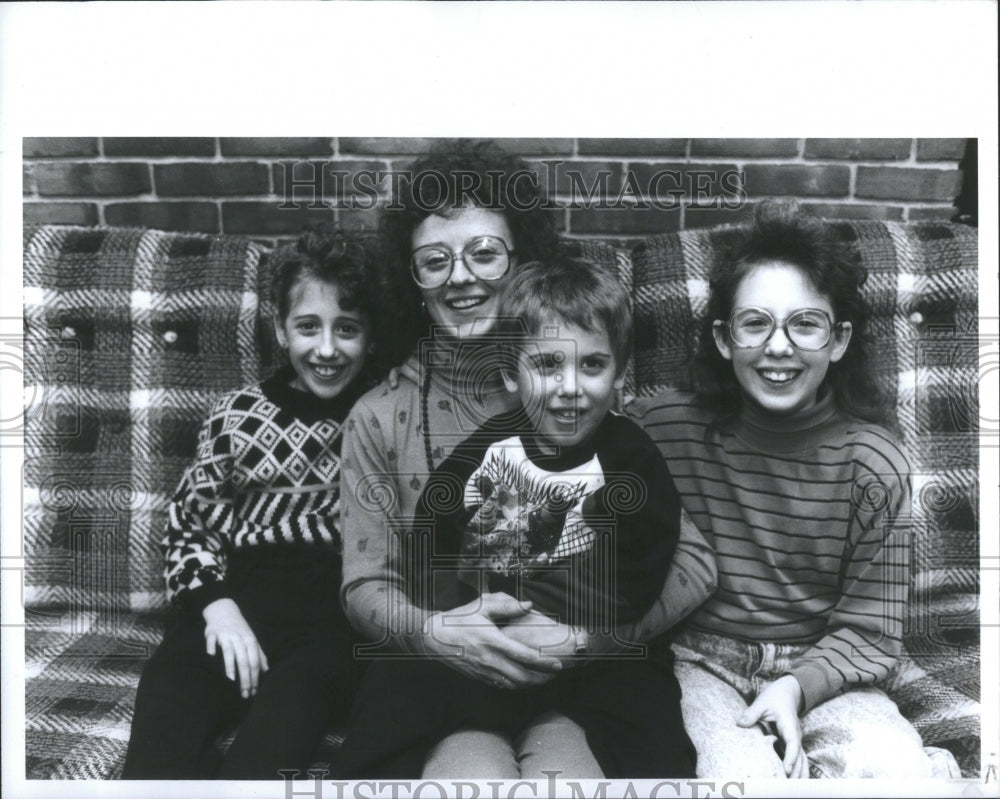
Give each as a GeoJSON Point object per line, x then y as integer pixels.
{"type": "Point", "coordinates": [859, 733]}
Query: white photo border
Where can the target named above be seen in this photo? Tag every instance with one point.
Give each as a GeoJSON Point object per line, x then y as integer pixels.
{"type": "Point", "coordinates": [720, 69]}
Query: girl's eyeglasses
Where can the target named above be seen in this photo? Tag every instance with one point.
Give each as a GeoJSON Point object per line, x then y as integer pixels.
{"type": "Point", "coordinates": [487, 257]}
{"type": "Point", "coordinates": [807, 328]}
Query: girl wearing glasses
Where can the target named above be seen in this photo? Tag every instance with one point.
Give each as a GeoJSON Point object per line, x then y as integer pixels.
{"type": "Point", "coordinates": [451, 251]}
{"type": "Point", "coordinates": [780, 459]}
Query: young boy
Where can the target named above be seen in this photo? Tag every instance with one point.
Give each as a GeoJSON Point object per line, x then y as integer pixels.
{"type": "Point", "coordinates": [564, 504]}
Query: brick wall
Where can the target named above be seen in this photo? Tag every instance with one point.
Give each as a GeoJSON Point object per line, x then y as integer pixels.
{"type": "Point", "coordinates": [597, 186]}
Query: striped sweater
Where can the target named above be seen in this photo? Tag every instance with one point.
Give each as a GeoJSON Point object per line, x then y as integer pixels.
{"type": "Point", "coordinates": [807, 516]}
{"type": "Point", "coordinates": [265, 474]}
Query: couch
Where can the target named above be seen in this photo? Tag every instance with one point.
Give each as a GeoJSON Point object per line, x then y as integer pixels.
{"type": "Point", "coordinates": [130, 334]}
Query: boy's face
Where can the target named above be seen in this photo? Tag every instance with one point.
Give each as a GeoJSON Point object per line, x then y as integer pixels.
{"type": "Point", "coordinates": [566, 382]}
{"type": "Point", "coordinates": [327, 344]}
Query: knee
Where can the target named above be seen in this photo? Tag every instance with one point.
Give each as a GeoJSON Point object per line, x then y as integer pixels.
{"type": "Point", "coordinates": [737, 757]}
{"type": "Point", "coordinates": [871, 753]}
{"type": "Point", "coordinates": [862, 734]}
{"type": "Point", "coordinates": [480, 753]}
{"type": "Point", "coordinates": [554, 742]}
{"type": "Point", "coordinates": [725, 750]}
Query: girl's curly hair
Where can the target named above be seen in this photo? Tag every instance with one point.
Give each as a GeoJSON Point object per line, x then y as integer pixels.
{"type": "Point", "coordinates": [457, 173]}
{"type": "Point", "coordinates": [781, 232]}
{"type": "Point", "coordinates": [340, 258]}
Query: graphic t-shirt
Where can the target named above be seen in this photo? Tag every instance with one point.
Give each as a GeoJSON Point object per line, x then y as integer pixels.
{"type": "Point", "coordinates": [585, 533]}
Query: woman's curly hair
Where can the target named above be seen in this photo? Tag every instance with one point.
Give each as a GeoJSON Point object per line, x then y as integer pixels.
{"type": "Point", "coordinates": [781, 232]}
{"type": "Point", "coordinates": [458, 172]}
{"type": "Point", "coordinates": [340, 258]}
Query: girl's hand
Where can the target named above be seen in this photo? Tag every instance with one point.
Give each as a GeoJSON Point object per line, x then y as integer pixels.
{"type": "Point", "coordinates": [779, 703]}
{"type": "Point", "coordinates": [225, 626]}
{"type": "Point", "coordinates": [406, 371]}
{"type": "Point", "coordinates": [544, 635]}
{"type": "Point", "coordinates": [470, 642]}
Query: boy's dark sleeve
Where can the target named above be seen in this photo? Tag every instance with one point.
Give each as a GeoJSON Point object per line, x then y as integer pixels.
{"type": "Point", "coordinates": [641, 497]}
{"type": "Point", "coordinates": [636, 518]}
{"type": "Point", "coordinates": [442, 517]}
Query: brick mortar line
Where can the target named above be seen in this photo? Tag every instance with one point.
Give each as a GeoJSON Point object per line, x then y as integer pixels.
{"type": "Point", "coordinates": [160, 160]}
{"type": "Point", "coordinates": [272, 161]}
{"type": "Point", "coordinates": [562, 200]}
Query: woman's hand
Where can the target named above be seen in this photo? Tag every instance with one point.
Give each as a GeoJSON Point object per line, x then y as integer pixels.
{"type": "Point", "coordinates": [226, 627]}
{"type": "Point", "coordinates": [405, 371]}
{"type": "Point", "coordinates": [544, 635]}
{"type": "Point", "coordinates": [469, 640]}
{"type": "Point", "coordinates": [779, 703]}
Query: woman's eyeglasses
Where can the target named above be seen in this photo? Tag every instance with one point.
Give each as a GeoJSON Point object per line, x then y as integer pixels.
{"type": "Point", "coordinates": [487, 257]}
{"type": "Point", "coordinates": [807, 328]}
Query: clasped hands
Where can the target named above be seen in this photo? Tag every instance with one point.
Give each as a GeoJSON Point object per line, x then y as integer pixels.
{"type": "Point", "coordinates": [498, 640]}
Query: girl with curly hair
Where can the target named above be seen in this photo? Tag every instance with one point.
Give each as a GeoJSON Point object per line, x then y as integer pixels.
{"type": "Point", "coordinates": [258, 637]}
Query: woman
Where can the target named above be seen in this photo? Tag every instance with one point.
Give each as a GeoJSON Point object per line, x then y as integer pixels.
{"type": "Point", "coordinates": [451, 242]}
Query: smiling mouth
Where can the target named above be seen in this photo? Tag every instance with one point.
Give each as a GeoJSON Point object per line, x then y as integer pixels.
{"type": "Point", "coordinates": [566, 415]}
{"type": "Point", "coordinates": [465, 303]}
{"type": "Point", "coordinates": [779, 377]}
{"type": "Point", "coordinates": [326, 372]}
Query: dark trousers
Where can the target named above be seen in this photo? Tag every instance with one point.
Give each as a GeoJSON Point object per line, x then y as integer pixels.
{"type": "Point", "coordinates": [629, 709]}
{"type": "Point", "coordinates": [289, 597]}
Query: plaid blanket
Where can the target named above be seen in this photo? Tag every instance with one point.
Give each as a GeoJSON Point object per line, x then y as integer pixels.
{"type": "Point", "coordinates": [131, 334]}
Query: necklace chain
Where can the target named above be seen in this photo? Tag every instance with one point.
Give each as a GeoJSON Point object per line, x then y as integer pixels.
{"type": "Point", "coordinates": [425, 390]}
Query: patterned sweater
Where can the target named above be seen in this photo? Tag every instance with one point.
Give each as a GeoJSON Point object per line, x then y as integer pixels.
{"type": "Point", "coordinates": [265, 474]}
{"type": "Point", "coordinates": [807, 519]}
{"type": "Point", "coordinates": [605, 513]}
{"type": "Point", "coordinates": [385, 471]}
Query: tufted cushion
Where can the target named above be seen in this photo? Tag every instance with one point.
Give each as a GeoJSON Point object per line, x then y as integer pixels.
{"type": "Point", "coordinates": [923, 292]}
{"type": "Point", "coordinates": [129, 336]}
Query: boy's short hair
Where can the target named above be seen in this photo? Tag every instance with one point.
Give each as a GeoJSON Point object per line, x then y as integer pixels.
{"type": "Point", "coordinates": [575, 291]}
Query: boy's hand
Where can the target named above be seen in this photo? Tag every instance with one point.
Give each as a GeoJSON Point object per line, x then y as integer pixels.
{"type": "Point", "coordinates": [779, 703]}
{"type": "Point", "coordinates": [470, 641]}
{"type": "Point", "coordinates": [225, 626]}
